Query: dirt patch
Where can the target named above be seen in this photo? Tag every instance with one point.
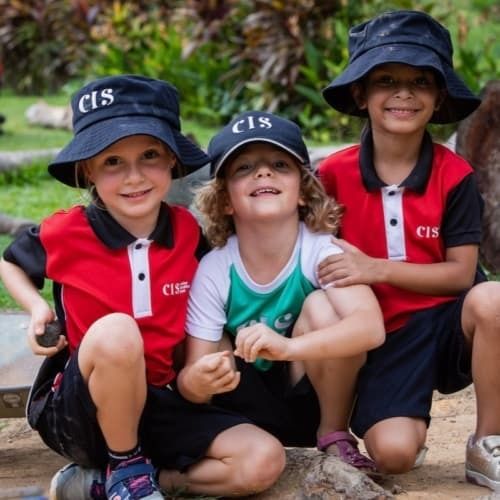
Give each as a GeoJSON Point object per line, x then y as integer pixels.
{"type": "Point", "coordinates": [26, 462]}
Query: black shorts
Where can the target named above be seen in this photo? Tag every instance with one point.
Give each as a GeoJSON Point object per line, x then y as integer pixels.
{"type": "Point", "coordinates": [429, 353]}
{"type": "Point", "coordinates": [174, 433]}
{"type": "Point", "coordinates": [291, 414]}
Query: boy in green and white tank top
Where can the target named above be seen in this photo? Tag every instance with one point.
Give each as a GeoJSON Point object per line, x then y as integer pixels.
{"type": "Point", "coordinates": [265, 339]}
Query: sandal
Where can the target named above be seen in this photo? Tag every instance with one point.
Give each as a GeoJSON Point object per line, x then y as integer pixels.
{"type": "Point", "coordinates": [348, 451]}
{"type": "Point", "coordinates": [133, 482]}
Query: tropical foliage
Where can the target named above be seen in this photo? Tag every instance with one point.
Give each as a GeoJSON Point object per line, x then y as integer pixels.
{"type": "Point", "coordinates": [225, 55]}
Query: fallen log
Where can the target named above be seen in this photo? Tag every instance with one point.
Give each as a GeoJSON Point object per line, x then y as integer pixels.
{"type": "Point", "coordinates": [11, 160]}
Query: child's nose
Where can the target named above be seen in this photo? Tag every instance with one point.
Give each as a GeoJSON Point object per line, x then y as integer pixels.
{"type": "Point", "coordinates": [404, 88]}
{"type": "Point", "coordinates": [263, 169]}
{"type": "Point", "coordinates": [134, 171]}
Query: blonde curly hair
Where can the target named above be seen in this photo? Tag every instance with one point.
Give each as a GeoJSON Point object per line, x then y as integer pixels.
{"type": "Point", "coordinates": [320, 213]}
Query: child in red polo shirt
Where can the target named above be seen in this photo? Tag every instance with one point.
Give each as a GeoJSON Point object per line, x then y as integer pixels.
{"type": "Point", "coordinates": [411, 228]}
{"type": "Point", "coordinates": [122, 267]}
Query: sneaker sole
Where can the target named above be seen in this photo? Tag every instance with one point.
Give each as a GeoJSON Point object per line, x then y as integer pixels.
{"type": "Point", "coordinates": [482, 480]}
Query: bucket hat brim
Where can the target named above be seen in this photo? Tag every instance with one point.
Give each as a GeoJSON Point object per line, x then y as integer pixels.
{"type": "Point", "coordinates": [458, 103]}
{"type": "Point", "coordinates": [96, 138]}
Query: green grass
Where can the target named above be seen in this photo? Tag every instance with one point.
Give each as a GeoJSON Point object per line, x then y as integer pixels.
{"type": "Point", "coordinates": [33, 201]}
{"type": "Point", "coordinates": [18, 134]}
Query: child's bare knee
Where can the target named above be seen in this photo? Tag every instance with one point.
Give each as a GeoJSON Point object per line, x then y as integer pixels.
{"type": "Point", "coordinates": [394, 457]}
{"type": "Point", "coordinates": [115, 338]}
{"type": "Point", "coordinates": [317, 311]}
{"type": "Point", "coordinates": [264, 465]}
{"type": "Point", "coordinates": [482, 305]}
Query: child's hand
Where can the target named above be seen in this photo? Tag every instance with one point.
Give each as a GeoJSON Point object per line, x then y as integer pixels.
{"type": "Point", "coordinates": [214, 374]}
{"type": "Point", "coordinates": [353, 267]}
{"type": "Point", "coordinates": [41, 316]}
{"type": "Point", "coordinates": [260, 341]}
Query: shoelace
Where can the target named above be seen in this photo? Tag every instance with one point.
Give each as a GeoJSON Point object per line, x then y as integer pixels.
{"type": "Point", "coordinates": [140, 486]}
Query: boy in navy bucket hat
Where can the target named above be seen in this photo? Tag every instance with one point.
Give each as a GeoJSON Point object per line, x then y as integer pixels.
{"type": "Point", "coordinates": [122, 267]}
{"type": "Point", "coordinates": [288, 352]}
{"type": "Point", "coordinates": [411, 229]}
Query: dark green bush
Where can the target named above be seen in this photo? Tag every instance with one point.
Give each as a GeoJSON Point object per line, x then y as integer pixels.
{"type": "Point", "coordinates": [44, 42]}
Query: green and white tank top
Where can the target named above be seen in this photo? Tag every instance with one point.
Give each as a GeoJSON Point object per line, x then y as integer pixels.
{"type": "Point", "coordinates": [224, 297]}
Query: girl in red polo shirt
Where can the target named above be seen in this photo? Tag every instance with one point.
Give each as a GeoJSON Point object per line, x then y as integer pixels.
{"type": "Point", "coordinates": [105, 396]}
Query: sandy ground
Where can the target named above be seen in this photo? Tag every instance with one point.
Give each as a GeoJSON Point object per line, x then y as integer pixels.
{"type": "Point", "coordinates": [26, 463]}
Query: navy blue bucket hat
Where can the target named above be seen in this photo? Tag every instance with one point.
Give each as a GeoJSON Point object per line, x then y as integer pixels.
{"type": "Point", "coordinates": [112, 108]}
{"type": "Point", "coordinates": [256, 126]}
{"type": "Point", "coordinates": [407, 37]}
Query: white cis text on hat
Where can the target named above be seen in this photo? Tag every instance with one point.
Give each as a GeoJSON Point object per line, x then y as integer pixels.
{"type": "Point", "coordinates": [251, 122]}
{"type": "Point", "coordinates": [95, 99]}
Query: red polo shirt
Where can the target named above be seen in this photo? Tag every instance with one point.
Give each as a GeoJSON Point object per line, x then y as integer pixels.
{"type": "Point", "coordinates": [99, 269]}
{"type": "Point", "coordinates": [436, 207]}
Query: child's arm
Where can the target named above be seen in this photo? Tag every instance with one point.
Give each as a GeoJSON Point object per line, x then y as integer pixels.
{"type": "Point", "coordinates": [353, 266]}
{"type": "Point", "coordinates": [207, 371]}
{"type": "Point", "coordinates": [27, 296]}
{"type": "Point", "coordinates": [359, 329]}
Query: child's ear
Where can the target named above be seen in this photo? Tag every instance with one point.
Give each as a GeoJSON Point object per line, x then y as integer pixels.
{"type": "Point", "coordinates": [228, 207]}
{"type": "Point", "coordinates": [358, 94]}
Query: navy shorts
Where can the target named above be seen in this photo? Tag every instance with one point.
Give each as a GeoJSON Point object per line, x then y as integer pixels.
{"type": "Point", "coordinates": [429, 353]}
{"type": "Point", "coordinates": [174, 433]}
{"type": "Point", "coordinates": [290, 413]}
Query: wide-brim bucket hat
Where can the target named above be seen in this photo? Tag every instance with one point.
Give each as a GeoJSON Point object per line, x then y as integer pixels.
{"type": "Point", "coordinates": [256, 126]}
{"type": "Point", "coordinates": [112, 108]}
{"type": "Point", "coordinates": [406, 37]}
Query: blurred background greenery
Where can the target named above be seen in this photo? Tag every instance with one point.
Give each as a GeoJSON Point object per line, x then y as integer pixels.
{"type": "Point", "coordinates": [224, 56]}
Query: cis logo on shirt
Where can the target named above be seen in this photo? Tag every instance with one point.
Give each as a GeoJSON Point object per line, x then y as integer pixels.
{"type": "Point", "coordinates": [169, 289]}
{"type": "Point", "coordinates": [250, 123]}
{"type": "Point", "coordinates": [95, 99]}
{"type": "Point", "coordinates": [428, 231]}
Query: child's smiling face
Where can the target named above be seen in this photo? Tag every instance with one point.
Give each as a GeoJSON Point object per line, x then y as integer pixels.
{"type": "Point", "coordinates": [263, 181]}
{"type": "Point", "coordinates": [399, 98]}
{"type": "Point", "coordinates": [132, 177]}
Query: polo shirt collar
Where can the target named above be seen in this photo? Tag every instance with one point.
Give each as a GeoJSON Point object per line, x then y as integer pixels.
{"type": "Point", "coordinates": [115, 236]}
{"type": "Point", "coordinates": [419, 176]}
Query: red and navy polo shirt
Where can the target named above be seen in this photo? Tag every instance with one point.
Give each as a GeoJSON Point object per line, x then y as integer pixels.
{"type": "Point", "coordinates": [436, 207]}
{"type": "Point", "coordinates": [99, 268]}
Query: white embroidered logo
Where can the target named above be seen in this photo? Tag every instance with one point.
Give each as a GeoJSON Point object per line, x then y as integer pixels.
{"type": "Point", "coordinates": [427, 232]}
{"type": "Point", "coordinates": [249, 123]}
{"type": "Point", "coordinates": [169, 289]}
{"type": "Point", "coordinates": [96, 99]}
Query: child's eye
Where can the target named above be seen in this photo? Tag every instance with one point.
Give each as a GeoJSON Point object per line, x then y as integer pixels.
{"type": "Point", "coordinates": [385, 81]}
{"type": "Point", "coordinates": [422, 82]}
{"type": "Point", "coordinates": [112, 161]}
{"type": "Point", "coordinates": [281, 165]}
{"type": "Point", "coordinates": [151, 154]}
{"type": "Point", "coordinates": [243, 167]}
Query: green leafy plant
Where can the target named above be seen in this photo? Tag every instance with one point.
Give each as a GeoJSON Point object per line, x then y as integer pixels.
{"type": "Point", "coordinates": [44, 42]}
